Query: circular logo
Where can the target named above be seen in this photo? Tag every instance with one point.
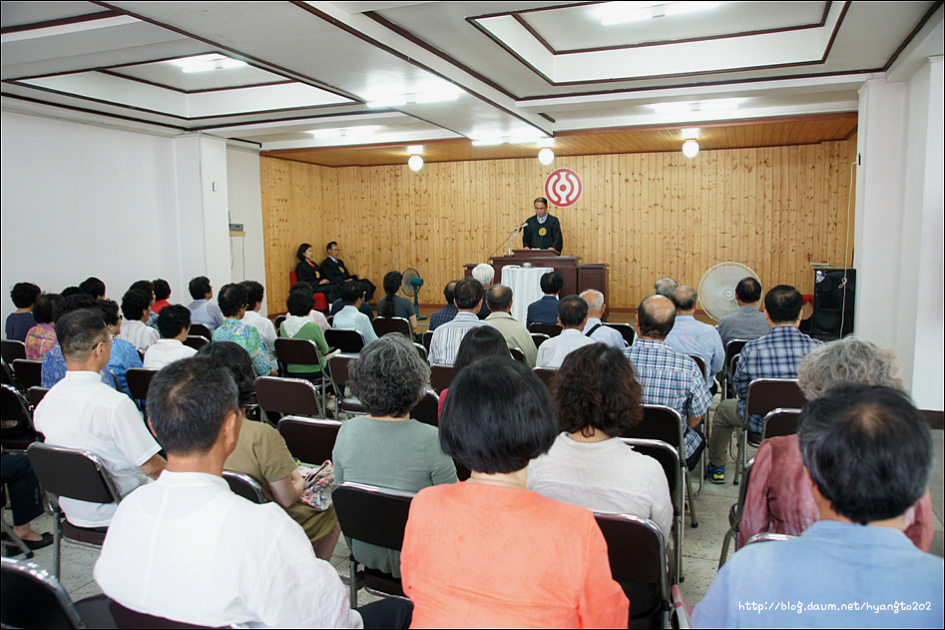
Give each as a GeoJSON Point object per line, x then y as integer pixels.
{"type": "Point", "coordinates": [563, 187]}
{"type": "Point", "coordinates": [542, 231]}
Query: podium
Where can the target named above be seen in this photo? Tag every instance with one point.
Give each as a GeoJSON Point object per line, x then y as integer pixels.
{"type": "Point", "coordinates": [577, 277]}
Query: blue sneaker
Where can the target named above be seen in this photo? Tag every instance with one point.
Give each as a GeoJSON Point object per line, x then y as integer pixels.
{"type": "Point", "coordinates": [715, 474]}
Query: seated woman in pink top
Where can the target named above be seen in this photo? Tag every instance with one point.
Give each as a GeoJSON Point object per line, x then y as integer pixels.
{"type": "Point", "coordinates": [41, 338]}
{"type": "Point", "coordinates": [778, 497]}
{"type": "Point", "coordinates": [488, 552]}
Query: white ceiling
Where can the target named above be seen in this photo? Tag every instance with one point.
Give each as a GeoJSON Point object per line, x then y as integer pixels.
{"type": "Point", "coordinates": [513, 70]}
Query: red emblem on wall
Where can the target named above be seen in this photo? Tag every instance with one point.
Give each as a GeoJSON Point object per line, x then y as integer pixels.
{"type": "Point", "coordinates": [563, 187]}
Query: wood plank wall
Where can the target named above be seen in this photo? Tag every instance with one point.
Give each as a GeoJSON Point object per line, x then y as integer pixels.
{"type": "Point", "coordinates": [646, 215]}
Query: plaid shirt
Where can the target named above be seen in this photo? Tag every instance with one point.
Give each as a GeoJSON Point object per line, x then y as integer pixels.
{"type": "Point", "coordinates": [671, 379]}
{"type": "Point", "coordinates": [442, 316]}
{"type": "Point", "coordinates": [776, 355]}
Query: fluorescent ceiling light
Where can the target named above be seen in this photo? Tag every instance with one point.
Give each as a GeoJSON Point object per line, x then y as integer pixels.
{"type": "Point", "coordinates": [415, 149]}
{"type": "Point", "coordinates": [720, 104]}
{"type": "Point", "coordinates": [390, 100]}
{"type": "Point", "coordinates": [359, 132]}
{"type": "Point", "coordinates": [439, 95]}
{"type": "Point", "coordinates": [546, 143]}
{"type": "Point", "coordinates": [623, 12]}
{"type": "Point", "coordinates": [691, 133]}
{"type": "Point", "coordinates": [488, 142]}
{"type": "Point", "coordinates": [681, 8]}
{"type": "Point", "coordinates": [672, 108]}
{"type": "Point", "coordinates": [326, 134]}
{"type": "Point", "coordinates": [206, 63]}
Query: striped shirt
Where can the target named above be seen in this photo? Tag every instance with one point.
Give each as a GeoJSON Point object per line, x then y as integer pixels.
{"type": "Point", "coordinates": [138, 334]}
{"type": "Point", "coordinates": [446, 338]}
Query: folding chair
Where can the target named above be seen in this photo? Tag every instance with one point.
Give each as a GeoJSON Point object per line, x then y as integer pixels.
{"type": "Point", "coordinates": [245, 486]}
{"type": "Point", "coordinates": [441, 376]}
{"type": "Point", "coordinates": [36, 394]}
{"type": "Point", "coordinates": [517, 354]}
{"type": "Point", "coordinates": [309, 439]}
{"type": "Point", "coordinates": [28, 373]}
{"type": "Point", "coordinates": [303, 352]}
{"type": "Point", "coordinates": [75, 474]}
{"type": "Point", "coordinates": [196, 341]}
{"type": "Point", "coordinates": [139, 382]}
{"type": "Point", "coordinates": [17, 432]}
{"type": "Point", "coordinates": [765, 394]}
{"type": "Point", "coordinates": [426, 338]}
{"type": "Point", "coordinates": [377, 516]}
{"type": "Point", "coordinates": [768, 537]}
{"type": "Point", "coordinates": [278, 396]}
{"type": "Point", "coordinates": [780, 421]}
{"type": "Point", "coordinates": [629, 334]}
{"type": "Point", "coordinates": [7, 377]}
{"type": "Point", "coordinates": [427, 410]}
{"type": "Point", "coordinates": [546, 375]}
{"type": "Point", "coordinates": [735, 516]}
{"type": "Point", "coordinates": [539, 338]}
{"type": "Point", "coordinates": [201, 330]}
{"type": "Point", "coordinates": [384, 325]}
{"type": "Point", "coordinates": [345, 340]}
{"type": "Point", "coordinates": [637, 557]}
{"type": "Point", "coordinates": [12, 349]}
{"type": "Point", "coordinates": [732, 349]}
{"type": "Point", "coordinates": [552, 330]}
{"type": "Point", "coordinates": [12, 539]}
{"type": "Point", "coordinates": [421, 351]}
{"type": "Point", "coordinates": [338, 366]}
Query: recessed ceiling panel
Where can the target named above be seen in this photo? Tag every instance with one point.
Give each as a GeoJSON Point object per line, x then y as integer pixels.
{"type": "Point", "coordinates": [203, 73]}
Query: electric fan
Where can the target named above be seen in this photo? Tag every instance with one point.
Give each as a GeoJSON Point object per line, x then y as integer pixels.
{"type": "Point", "coordinates": [717, 288]}
{"type": "Point", "coordinates": [411, 287]}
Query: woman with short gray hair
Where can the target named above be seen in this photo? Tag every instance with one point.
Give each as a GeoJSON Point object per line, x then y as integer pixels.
{"type": "Point", "coordinates": [386, 447]}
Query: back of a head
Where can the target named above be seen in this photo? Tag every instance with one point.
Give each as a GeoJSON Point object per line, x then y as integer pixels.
{"type": "Point", "coordinates": [188, 401]}
{"type": "Point", "coordinates": [484, 273]}
{"type": "Point", "coordinates": [665, 287]}
{"type": "Point", "coordinates": [68, 291]}
{"type": "Point", "coordinates": [499, 298]}
{"type": "Point", "coordinates": [594, 299]}
{"type": "Point", "coordinates": [595, 387]}
{"type": "Point", "coordinates": [93, 286]}
{"type": "Point", "coordinates": [236, 359]}
{"type": "Point", "coordinates": [254, 292]}
{"type": "Point", "coordinates": [392, 280]}
{"type": "Point", "coordinates": [199, 287]}
{"type": "Point", "coordinates": [572, 311]}
{"type": "Point", "coordinates": [551, 283]}
{"type": "Point", "coordinates": [783, 304]}
{"type": "Point", "coordinates": [144, 286]}
{"type": "Point", "coordinates": [748, 290]}
{"type": "Point", "coordinates": [480, 342]}
{"type": "Point", "coordinates": [24, 294]}
{"type": "Point", "coordinates": [162, 289]}
{"type": "Point", "coordinates": [847, 360]}
{"type": "Point", "coordinates": [684, 298]}
{"type": "Point", "coordinates": [656, 316]}
{"type": "Point", "coordinates": [47, 308]}
{"type": "Point", "coordinates": [76, 301]}
{"type": "Point", "coordinates": [300, 302]}
{"type": "Point", "coordinates": [134, 303]}
{"type": "Point", "coordinates": [172, 320]}
{"type": "Point", "coordinates": [498, 416]}
{"type": "Point", "coordinates": [868, 450]}
{"type": "Point", "coordinates": [389, 376]}
{"type": "Point", "coordinates": [109, 310]}
{"type": "Point", "coordinates": [79, 332]}
{"type": "Point", "coordinates": [351, 292]}
{"type": "Point", "coordinates": [449, 291]}
{"type": "Point", "coordinates": [231, 299]}
{"type": "Point", "coordinates": [468, 293]}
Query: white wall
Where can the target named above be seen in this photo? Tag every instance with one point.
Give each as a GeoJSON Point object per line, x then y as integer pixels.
{"type": "Point", "coordinates": [245, 206]}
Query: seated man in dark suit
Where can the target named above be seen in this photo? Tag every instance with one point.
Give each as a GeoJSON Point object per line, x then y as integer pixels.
{"type": "Point", "coordinates": [336, 272]}
{"type": "Point", "coordinates": [365, 308]}
{"type": "Point", "coordinates": [545, 310]}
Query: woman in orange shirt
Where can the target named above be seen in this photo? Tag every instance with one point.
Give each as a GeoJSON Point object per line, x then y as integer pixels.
{"type": "Point", "coordinates": [488, 552]}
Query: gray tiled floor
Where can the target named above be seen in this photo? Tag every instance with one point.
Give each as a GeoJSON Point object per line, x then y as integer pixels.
{"type": "Point", "coordinates": [701, 545]}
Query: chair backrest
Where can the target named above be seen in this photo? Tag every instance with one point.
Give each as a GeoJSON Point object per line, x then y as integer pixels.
{"type": "Point", "coordinates": [629, 334]}
{"type": "Point", "coordinates": [344, 339]}
{"type": "Point", "coordinates": [12, 349]}
{"type": "Point", "coordinates": [765, 394]}
{"type": "Point", "coordinates": [781, 421]}
{"type": "Point", "coordinates": [18, 431]}
{"type": "Point", "coordinates": [32, 598]}
{"type": "Point", "coordinates": [699, 362]}
{"type": "Point", "coordinates": [423, 352]}
{"type": "Point", "coordinates": [338, 368]}
{"type": "Point", "coordinates": [73, 473]}
{"type": "Point", "coordinates": [288, 396]}
{"type": "Point", "coordinates": [384, 325]}
{"type": "Point", "coordinates": [768, 537]}
{"type": "Point", "coordinates": [517, 354]}
{"type": "Point", "coordinates": [546, 375]}
{"type": "Point", "coordinates": [139, 381]}
{"type": "Point", "coordinates": [36, 394]}
{"type": "Point", "coordinates": [426, 338]}
{"type": "Point", "coordinates": [659, 423]}
{"type": "Point", "coordinates": [935, 418]}
{"type": "Point", "coordinates": [201, 330]}
{"type": "Point", "coordinates": [309, 439]}
{"type": "Point", "coordinates": [539, 338]}
{"type": "Point", "coordinates": [245, 486]}
{"type": "Point", "coordinates": [552, 330]}
{"type": "Point", "coordinates": [732, 349]}
{"type": "Point", "coordinates": [300, 351]}
{"type": "Point", "coordinates": [667, 456]}
{"type": "Point", "coordinates": [441, 376]}
{"type": "Point", "coordinates": [278, 321]}
{"type": "Point", "coordinates": [373, 515]}
{"type": "Point", "coordinates": [6, 374]}
{"type": "Point", "coordinates": [28, 373]}
{"type": "Point", "coordinates": [427, 410]}
{"type": "Point", "coordinates": [196, 341]}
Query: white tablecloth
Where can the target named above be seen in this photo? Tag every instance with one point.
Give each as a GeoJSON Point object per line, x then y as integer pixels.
{"type": "Point", "coordinates": [525, 283]}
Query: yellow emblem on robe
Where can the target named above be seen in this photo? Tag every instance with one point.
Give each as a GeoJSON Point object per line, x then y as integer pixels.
{"type": "Point", "coordinates": [542, 231]}
{"type": "Point", "coordinates": [341, 269]}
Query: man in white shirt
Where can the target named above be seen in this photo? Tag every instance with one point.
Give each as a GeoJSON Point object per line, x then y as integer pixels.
{"type": "Point", "coordinates": [188, 549]}
{"type": "Point", "coordinates": [136, 308]}
{"type": "Point", "coordinates": [572, 317]}
{"type": "Point", "coordinates": [595, 328]}
{"type": "Point", "coordinates": [467, 296]}
{"type": "Point", "coordinates": [174, 325]}
{"type": "Point", "coordinates": [267, 331]}
{"type": "Point", "coordinates": [82, 412]}
{"type": "Point", "coordinates": [350, 317]}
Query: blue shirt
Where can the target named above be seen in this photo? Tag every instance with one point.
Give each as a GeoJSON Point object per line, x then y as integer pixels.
{"type": "Point", "coordinates": [248, 337]}
{"type": "Point", "coordinates": [123, 356]}
{"type": "Point", "coordinates": [54, 368]}
{"type": "Point", "coordinates": [207, 313]}
{"type": "Point", "coordinates": [350, 318]}
{"type": "Point", "coordinates": [543, 311]}
{"type": "Point", "coordinates": [442, 316]}
{"type": "Point", "coordinates": [690, 336]}
{"type": "Point", "coordinates": [776, 355]}
{"type": "Point", "coordinates": [831, 563]}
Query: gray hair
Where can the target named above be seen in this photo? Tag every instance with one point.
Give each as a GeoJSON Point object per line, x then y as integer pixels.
{"type": "Point", "coordinates": [684, 298]}
{"type": "Point", "coordinates": [665, 286]}
{"type": "Point", "coordinates": [484, 273]}
{"type": "Point", "coordinates": [594, 299]}
{"type": "Point", "coordinates": [847, 360]}
{"type": "Point", "coordinates": [389, 377]}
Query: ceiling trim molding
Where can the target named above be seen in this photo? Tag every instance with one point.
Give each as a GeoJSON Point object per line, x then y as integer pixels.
{"type": "Point", "coordinates": [918, 27]}
{"type": "Point", "coordinates": [95, 112]}
{"type": "Point", "coordinates": [164, 86]}
{"type": "Point", "coordinates": [76, 19]}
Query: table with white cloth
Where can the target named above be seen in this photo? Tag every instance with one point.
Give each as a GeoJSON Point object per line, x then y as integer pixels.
{"type": "Point", "coordinates": [525, 283]}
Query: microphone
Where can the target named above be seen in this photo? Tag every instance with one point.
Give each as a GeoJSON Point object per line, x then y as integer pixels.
{"type": "Point", "coordinates": [522, 226]}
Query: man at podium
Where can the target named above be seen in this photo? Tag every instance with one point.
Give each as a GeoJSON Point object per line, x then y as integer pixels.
{"type": "Point", "coordinates": [542, 231]}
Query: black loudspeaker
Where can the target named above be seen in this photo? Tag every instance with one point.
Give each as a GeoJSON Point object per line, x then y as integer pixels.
{"type": "Point", "coordinates": [834, 291]}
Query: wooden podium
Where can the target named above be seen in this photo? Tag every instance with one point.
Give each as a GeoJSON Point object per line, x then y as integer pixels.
{"type": "Point", "coordinates": [577, 277]}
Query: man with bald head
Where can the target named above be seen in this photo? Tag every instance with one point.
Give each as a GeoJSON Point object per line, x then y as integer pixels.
{"type": "Point", "coordinates": [595, 328]}
{"type": "Point", "coordinates": [690, 336]}
{"type": "Point", "coordinates": [669, 378]}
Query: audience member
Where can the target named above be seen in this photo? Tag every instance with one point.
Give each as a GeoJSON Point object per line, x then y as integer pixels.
{"type": "Point", "coordinates": [448, 312]}
{"type": "Point", "coordinates": [123, 356]}
{"type": "Point", "coordinates": [297, 325]}
{"type": "Point", "coordinates": [447, 337]}
{"type": "Point", "coordinates": [162, 293]}
{"type": "Point", "coordinates": [41, 337]}
{"type": "Point", "coordinates": [267, 331]}
{"type": "Point", "coordinates": [174, 326]}
{"type": "Point", "coordinates": [595, 328]}
{"type": "Point", "coordinates": [250, 565]}
{"type": "Point", "coordinates": [146, 286]}
{"type": "Point", "coordinates": [526, 560]}
{"type": "Point", "coordinates": [572, 316]}
{"type": "Point", "coordinates": [598, 399]}
{"type": "Point", "coordinates": [747, 322]}
{"type": "Point", "coordinates": [81, 412]}
{"type": "Point", "coordinates": [776, 355]}
{"type": "Point", "coordinates": [308, 271]}
{"type": "Point", "coordinates": [233, 301]}
{"type": "Point", "coordinates": [393, 305]}
{"type": "Point", "coordinates": [868, 455]}
{"type": "Point", "coordinates": [136, 307]}
{"type": "Point", "coordinates": [669, 378]}
{"type": "Point", "coordinates": [516, 335]}
{"type": "Point", "coordinates": [665, 287]}
{"type": "Point", "coordinates": [94, 287]}
{"type": "Point", "coordinates": [315, 315]}
{"type": "Point", "coordinates": [202, 310]}
{"type": "Point", "coordinates": [54, 364]}
{"type": "Point", "coordinates": [545, 309]}
{"type": "Point", "coordinates": [485, 274]}
{"type": "Point", "coordinates": [26, 501]}
{"type": "Point", "coordinates": [350, 317]}
{"type": "Point", "coordinates": [20, 321]}
{"type": "Point", "coordinates": [387, 448]}
{"type": "Point", "coordinates": [690, 336]}
{"type": "Point", "coordinates": [334, 269]}
{"type": "Point", "coordinates": [70, 291]}
{"type": "Point", "coordinates": [365, 307]}
{"type": "Point", "coordinates": [483, 341]}
{"type": "Point", "coordinates": [778, 499]}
